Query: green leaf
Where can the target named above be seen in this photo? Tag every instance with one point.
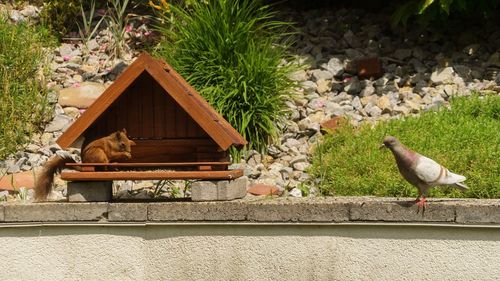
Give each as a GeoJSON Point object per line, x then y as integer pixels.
{"type": "Point", "coordinates": [445, 5]}
{"type": "Point", "coordinates": [424, 5]}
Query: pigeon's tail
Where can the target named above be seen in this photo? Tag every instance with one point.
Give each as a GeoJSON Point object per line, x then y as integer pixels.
{"type": "Point", "coordinates": [461, 186]}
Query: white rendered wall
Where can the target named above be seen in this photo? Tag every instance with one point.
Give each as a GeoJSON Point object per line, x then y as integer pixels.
{"type": "Point", "coordinates": [249, 252]}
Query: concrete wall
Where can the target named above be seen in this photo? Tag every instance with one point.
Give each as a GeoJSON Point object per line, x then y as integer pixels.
{"type": "Point", "coordinates": [61, 249]}
{"type": "Point", "coordinates": [250, 252]}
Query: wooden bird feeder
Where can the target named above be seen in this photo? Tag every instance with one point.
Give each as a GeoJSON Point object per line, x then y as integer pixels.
{"type": "Point", "coordinates": [178, 135]}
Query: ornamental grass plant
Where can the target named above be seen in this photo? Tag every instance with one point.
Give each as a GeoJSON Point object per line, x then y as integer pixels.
{"type": "Point", "coordinates": [23, 103]}
{"type": "Point", "coordinates": [233, 53]}
{"type": "Point", "coordinates": [465, 139]}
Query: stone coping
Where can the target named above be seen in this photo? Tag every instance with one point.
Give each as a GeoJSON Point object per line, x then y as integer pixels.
{"type": "Point", "coordinates": [260, 210]}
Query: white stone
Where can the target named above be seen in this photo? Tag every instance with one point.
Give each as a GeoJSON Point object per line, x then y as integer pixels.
{"type": "Point", "coordinates": [442, 76]}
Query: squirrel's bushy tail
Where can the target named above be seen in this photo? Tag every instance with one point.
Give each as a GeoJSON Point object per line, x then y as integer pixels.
{"type": "Point", "coordinates": [44, 181]}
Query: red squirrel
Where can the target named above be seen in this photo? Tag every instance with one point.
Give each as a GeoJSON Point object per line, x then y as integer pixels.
{"type": "Point", "coordinates": [115, 147]}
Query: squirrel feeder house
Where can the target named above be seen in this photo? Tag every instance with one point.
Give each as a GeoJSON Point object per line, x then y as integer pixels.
{"type": "Point", "coordinates": [178, 135]}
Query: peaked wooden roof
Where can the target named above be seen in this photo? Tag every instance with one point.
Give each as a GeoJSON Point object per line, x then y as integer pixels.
{"type": "Point", "coordinates": [174, 85]}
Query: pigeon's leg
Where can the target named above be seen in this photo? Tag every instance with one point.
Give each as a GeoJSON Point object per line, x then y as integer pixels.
{"type": "Point", "coordinates": [421, 204]}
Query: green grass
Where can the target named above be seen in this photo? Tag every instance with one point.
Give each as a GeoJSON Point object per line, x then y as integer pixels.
{"type": "Point", "coordinates": [227, 49]}
{"type": "Point", "coordinates": [465, 139]}
{"type": "Point", "coordinates": [23, 105]}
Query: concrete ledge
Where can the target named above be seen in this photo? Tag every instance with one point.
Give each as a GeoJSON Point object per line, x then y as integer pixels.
{"type": "Point", "coordinates": [263, 209]}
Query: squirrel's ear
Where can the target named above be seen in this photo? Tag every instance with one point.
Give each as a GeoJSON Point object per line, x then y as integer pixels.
{"type": "Point", "coordinates": [118, 136]}
{"type": "Point", "coordinates": [131, 142]}
{"type": "Point", "coordinates": [124, 131]}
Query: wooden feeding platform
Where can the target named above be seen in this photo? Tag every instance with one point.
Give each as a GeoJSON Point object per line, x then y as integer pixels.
{"type": "Point", "coordinates": [178, 135]}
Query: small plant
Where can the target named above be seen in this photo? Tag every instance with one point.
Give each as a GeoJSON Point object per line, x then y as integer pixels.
{"type": "Point", "coordinates": [22, 194]}
{"type": "Point", "coordinates": [465, 139]}
{"type": "Point", "coordinates": [118, 22]}
{"type": "Point", "coordinates": [59, 15]}
{"type": "Point", "coordinates": [232, 52]}
{"type": "Point", "coordinates": [175, 189]}
{"type": "Point", "coordinates": [428, 10]}
{"type": "Point", "coordinates": [85, 30]}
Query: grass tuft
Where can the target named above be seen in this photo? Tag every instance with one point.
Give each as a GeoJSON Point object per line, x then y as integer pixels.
{"type": "Point", "coordinates": [465, 139]}
{"type": "Point", "coordinates": [23, 104]}
{"type": "Point", "coordinates": [232, 52]}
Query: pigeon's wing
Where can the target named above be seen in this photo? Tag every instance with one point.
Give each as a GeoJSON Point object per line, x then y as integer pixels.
{"type": "Point", "coordinates": [428, 170]}
{"type": "Point", "coordinates": [451, 178]}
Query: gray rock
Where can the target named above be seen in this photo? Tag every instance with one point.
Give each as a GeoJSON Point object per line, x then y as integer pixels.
{"type": "Point", "coordinates": [335, 66]}
{"type": "Point", "coordinates": [463, 71]}
{"type": "Point", "coordinates": [34, 158]}
{"type": "Point", "coordinates": [65, 50]}
{"type": "Point", "coordinates": [308, 86]}
{"type": "Point", "coordinates": [402, 54]}
{"type": "Point", "coordinates": [295, 192]}
{"type": "Point", "coordinates": [353, 87]}
{"type": "Point", "coordinates": [442, 76]}
{"type": "Point", "coordinates": [33, 148]}
{"type": "Point", "coordinates": [317, 104]}
{"type": "Point", "coordinates": [323, 86]}
{"type": "Point", "coordinates": [298, 159]}
{"type": "Point", "coordinates": [368, 90]}
{"type": "Point", "coordinates": [30, 11]}
{"type": "Point", "coordinates": [82, 96]}
{"type": "Point", "coordinates": [352, 39]}
{"type": "Point", "coordinates": [334, 109]}
{"type": "Point", "coordinates": [322, 74]}
{"type": "Point", "coordinates": [356, 103]}
{"type": "Point", "coordinates": [16, 16]}
{"type": "Point", "coordinates": [59, 122]}
{"type": "Point", "coordinates": [301, 166]}
{"type": "Point", "coordinates": [299, 75]}
{"type": "Point", "coordinates": [12, 167]}
{"type": "Point", "coordinates": [373, 110]}
{"type": "Point", "coordinates": [92, 45]}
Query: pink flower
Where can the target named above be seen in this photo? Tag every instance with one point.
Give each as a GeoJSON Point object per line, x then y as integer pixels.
{"type": "Point", "coordinates": [76, 85]}
{"type": "Point", "coordinates": [66, 58]}
{"type": "Point", "coordinates": [128, 28]}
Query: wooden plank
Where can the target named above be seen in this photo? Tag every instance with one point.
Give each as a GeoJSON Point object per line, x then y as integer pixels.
{"type": "Point", "coordinates": [139, 165]}
{"type": "Point", "coordinates": [147, 106]}
{"type": "Point", "coordinates": [207, 144]}
{"type": "Point", "coordinates": [134, 175]}
{"type": "Point", "coordinates": [132, 96]}
{"type": "Point", "coordinates": [88, 168]}
{"type": "Point", "coordinates": [159, 105]}
{"type": "Point", "coordinates": [170, 117]}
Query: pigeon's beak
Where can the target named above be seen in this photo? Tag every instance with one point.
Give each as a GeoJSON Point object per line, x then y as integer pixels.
{"type": "Point", "coordinates": [382, 146]}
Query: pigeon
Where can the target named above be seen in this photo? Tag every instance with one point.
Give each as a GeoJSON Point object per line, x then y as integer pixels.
{"type": "Point", "coordinates": [422, 172]}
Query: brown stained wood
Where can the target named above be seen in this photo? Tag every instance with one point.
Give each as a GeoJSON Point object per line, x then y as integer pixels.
{"type": "Point", "coordinates": [147, 107]}
{"type": "Point", "coordinates": [198, 142]}
{"type": "Point", "coordinates": [151, 175]}
{"type": "Point", "coordinates": [141, 165]}
{"type": "Point", "coordinates": [101, 104]}
{"type": "Point", "coordinates": [87, 168]}
{"type": "Point", "coordinates": [159, 101]}
{"type": "Point", "coordinates": [181, 123]}
{"type": "Point", "coordinates": [198, 99]}
{"type": "Point", "coordinates": [133, 102]}
{"type": "Point", "coordinates": [202, 115]}
{"type": "Point", "coordinates": [170, 118]}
